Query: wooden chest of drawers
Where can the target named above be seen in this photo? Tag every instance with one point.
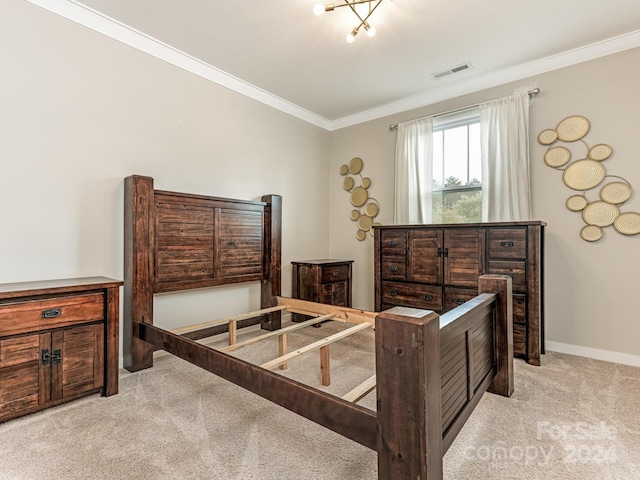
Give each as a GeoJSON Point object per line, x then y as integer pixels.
{"type": "Point", "coordinates": [323, 281]}
{"type": "Point", "coordinates": [436, 267]}
{"type": "Point", "coordinates": [58, 341]}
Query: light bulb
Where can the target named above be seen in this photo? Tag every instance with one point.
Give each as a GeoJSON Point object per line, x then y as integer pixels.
{"type": "Point", "coordinates": [318, 9]}
{"type": "Point", "coordinates": [352, 36]}
{"type": "Point", "coordinates": [371, 31]}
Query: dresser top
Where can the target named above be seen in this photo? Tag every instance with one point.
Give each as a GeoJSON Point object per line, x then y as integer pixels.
{"type": "Point", "coordinates": [322, 261]}
{"type": "Point", "coordinates": [43, 287]}
{"type": "Point", "coordinates": [522, 223]}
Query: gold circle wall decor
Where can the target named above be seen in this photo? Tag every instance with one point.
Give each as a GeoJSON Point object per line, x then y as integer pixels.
{"type": "Point", "coordinates": [557, 156]}
{"type": "Point", "coordinates": [547, 137]}
{"type": "Point", "coordinates": [576, 203]}
{"type": "Point", "coordinates": [572, 128]}
{"type": "Point", "coordinates": [584, 175]}
{"type": "Point", "coordinates": [355, 165]}
{"type": "Point", "coordinates": [599, 213]}
{"type": "Point", "coordinates": [600, 152]}
{"type": "Point", "coordinates": [628, 223]}
{"type": "Point", "coordinates": [591, 233]}
{"type": "Point", "coordinates": [615, 192]}
{"type": "Point", "coordinates": [367, 207]}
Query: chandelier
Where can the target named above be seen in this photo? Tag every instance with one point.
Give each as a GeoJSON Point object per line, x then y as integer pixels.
{"type": "Point", "coordinates": [363, 16]}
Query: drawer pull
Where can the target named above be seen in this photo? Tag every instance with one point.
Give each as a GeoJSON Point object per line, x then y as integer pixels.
{"type": "Point", "coordinates": [334, 295]}
{"type": "Point", "coordinates": [427, 297]}
{"type": "Point", "coordinates": [393, 294]}
{"type": "Point", "coordinates": [52, 313]}
{"type": "Point", "coordinates": [393, 243]}
{"type": "Point", "coordinates": [335, 274]}
{"type": "Point", "coordinates": [393, 268]}
{"type": "Point", "coordinates": [458, 301]}
{"type": "Point", "coordinates": [56, 358]}
{"type": "Point", "coordinates": [506, 244]}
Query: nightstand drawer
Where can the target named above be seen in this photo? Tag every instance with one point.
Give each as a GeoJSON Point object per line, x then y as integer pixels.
{"type": "Point", "coordinates": [35, 315]}
{"type": "Point", "coordinates": [335, 273]}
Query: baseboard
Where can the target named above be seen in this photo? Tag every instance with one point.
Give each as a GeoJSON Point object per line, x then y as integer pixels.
{"type": "Point", "coordinates": [595, 353]}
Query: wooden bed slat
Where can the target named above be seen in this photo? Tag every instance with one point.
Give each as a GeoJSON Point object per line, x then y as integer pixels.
{"type": "Point", "coordinates": [315, 346]}
{"type": "Point", "coordinates": [222, 321]}
{"type": "Point", "coordinates": [290, 328]}
{"type": "Point", "coordinates": [361, 390]}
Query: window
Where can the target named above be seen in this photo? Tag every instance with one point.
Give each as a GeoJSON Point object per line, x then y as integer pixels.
{"type": "Point", "coordinates": [457, 168]}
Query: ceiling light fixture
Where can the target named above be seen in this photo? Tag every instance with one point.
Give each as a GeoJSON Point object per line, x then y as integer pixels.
{"type": "Point", "coordinates": [363, 16]}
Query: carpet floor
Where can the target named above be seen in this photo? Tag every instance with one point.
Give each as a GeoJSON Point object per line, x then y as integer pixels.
{"type": "Point", "coordinates": [571, 418]}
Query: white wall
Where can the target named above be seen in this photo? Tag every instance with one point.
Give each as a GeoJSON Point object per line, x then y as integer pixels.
{"type": "Point", "coordinates": [79, 112]}
{"type": "Point", "coordinates": [591, 288]}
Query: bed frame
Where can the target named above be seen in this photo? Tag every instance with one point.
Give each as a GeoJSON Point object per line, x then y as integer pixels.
{"type": "Point", "coordinates": [441, 364]}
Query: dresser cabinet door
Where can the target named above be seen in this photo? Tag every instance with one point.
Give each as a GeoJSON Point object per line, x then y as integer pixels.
{"type": "Point", "coordinates": [77, 361]}
{"type": "Point", "coordinates": [425, 258]}
{"type": "Point", "coordinates": [464, 257]}
{"type": "Point", "coordinates": [24, 380]}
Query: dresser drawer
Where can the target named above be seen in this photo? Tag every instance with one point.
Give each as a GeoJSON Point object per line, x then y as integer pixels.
{"type": "Point", "coordinates": [34, 315]}
{"type": "Point", "coordinates": [520, 309]}
{"type": "Point", "coordinates": [515, 269]}
{"type": "Point", "coordinates": [454, 297]}
{"type": "Point", "coordinates": [394, 268]}
{"type": "Point", "coordinates": [519, 340]}
{"type": "Point", "coordinates": [335, 273]}
{"type": "Point", "coordinates": [412, 295]}
{"type": "Point", "coordinates": [508, 243]}
{"type": "Point", "coordinates": [393, 242]}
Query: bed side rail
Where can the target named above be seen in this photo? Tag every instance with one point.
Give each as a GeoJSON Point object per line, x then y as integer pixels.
{"type": "Point", "coordinates": [346, 418]}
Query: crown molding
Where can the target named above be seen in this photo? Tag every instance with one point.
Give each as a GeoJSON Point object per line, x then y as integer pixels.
{"type": "Point", "coordinates": [481, 82]}
{"type": "Point", "coordinates": [105, 25]}
{"type": "Point", "coordinates": [89, 18]}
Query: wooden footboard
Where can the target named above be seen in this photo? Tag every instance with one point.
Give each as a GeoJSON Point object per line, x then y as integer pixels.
{"type": "Point", "coordinates": [431, 373]}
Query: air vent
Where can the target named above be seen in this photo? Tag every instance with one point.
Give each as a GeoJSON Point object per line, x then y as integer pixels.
{"type": "Point", "coordinates": [456, 69]}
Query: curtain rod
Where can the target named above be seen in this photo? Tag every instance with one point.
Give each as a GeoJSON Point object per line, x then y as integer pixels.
{"type": "Point", "coordinates": [531, 93]}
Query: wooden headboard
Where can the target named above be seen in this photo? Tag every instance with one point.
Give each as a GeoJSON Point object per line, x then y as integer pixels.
{"type": "Point", "coordinates": [178, 241]}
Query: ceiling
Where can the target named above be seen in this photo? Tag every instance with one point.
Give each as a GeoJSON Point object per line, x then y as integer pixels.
{"type": "Point", "coordinates": [278, 50]}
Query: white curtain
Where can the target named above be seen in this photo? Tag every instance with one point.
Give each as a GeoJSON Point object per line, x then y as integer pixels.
{"type": "Point", "coordinates": [504, 132]}
{"type": "Point", "coordinates": [414, 171]}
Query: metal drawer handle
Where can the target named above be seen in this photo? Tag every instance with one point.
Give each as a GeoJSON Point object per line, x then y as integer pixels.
{"type": "Point", "coordinates": [335, 274]}
{"type": "Point", "coordinates": [334, 295]}
{"type": "Point", "coordinates": [52, 313]}
{"type": "Point", "coordinates": [458, 301]}
{"type": "Point", "coordinates": [393, 294]}
{"type": "Point", "coordinates": [393, 268]}
{"type": "Point", "coordinates": [393, 243]}
{"type": "Point", "coordinates": [427, 297]}
{"type": "Point", "coordinates": [506, 244]}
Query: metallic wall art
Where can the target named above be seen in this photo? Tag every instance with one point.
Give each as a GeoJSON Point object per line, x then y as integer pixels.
{"type": "Point", "coordinates": [585, 174]}
{"type": "Point", "coordinates": [367, 208]}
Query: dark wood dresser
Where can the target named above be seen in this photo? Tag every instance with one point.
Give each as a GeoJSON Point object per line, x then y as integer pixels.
{"type": "Point", "coordinates": [58, 342]}
{"type": "Point", "coordinates": [436, 267]}
{"type": "Point", "coordinates": [323, 281]}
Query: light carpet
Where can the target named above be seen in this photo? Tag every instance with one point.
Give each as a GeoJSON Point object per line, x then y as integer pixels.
{"type": "Point", "coordinates": [571, 418]}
